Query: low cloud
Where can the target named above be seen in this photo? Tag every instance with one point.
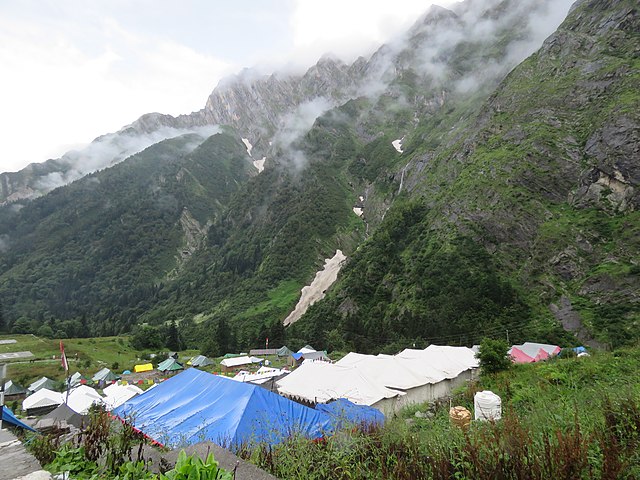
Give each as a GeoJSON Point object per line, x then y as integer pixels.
{"type": "Point", "coordinates": [113, 148]}
{"type": "Point", "coordinates": [441, 33]}
{"type": "Point", "coordinates": [4, 243]}
{"type": "Point", "coordinates": [295, 125]}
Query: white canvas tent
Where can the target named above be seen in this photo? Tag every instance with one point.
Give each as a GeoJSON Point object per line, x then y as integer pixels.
{"type": "Point", "coordinates": [320, 382]}
{"type": "Point", "coordinates": [41, 401]}
{"type": "Point", "coordinates": [239, 361]}
{"type": "Point", "coordinates": [306, 349]}
{"type": "Point", "coordinates": [415, 375]}
{"type": "Point", "coordinates": [82, 397]}
{"type": "Point", "coordinates": [116, 395]}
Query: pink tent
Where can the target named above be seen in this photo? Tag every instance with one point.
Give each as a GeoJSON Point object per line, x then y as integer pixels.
{"type": "Point", "coordinates": [518, 356]}
{"type": "Point", "coordinates": [542, 355]}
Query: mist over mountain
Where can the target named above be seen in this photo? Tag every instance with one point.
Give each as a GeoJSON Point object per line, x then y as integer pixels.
{"type": "Point", "coordinates": [480, 173]}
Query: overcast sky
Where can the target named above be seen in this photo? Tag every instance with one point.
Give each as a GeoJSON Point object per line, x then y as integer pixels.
{"type": "Point", "coordinates": [72, 70]}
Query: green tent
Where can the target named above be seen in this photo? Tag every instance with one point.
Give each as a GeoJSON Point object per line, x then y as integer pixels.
{"type": "Point", "coordinates": [78, 379]}
{"type": "Point", "coordinates": [200, 361]}
{"type": "Point", "coordinates": [11, 388]}
{"type": "Point", "coordinates": [105, 375]}
{"type": "Point", "coordinates": [44, 382]}
{"type": "Point", "coordinates": [170, 365]}
{"type": "Point", "coordinates": [284, 351]}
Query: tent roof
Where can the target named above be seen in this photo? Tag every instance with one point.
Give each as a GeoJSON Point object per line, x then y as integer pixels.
{"type": "Point", "coordinates": [105, 375]}
{"type": "Point", "coordinates": [237, 361]}
{"type": "Point", "coordinates": [201, 361]}
{"type": "Point", "coordinates": [77, 378]}
{"type": "Point", "coordinates": [44, 382]}
{"type": "Point", "coordinates": [518, 356]}
{"type": "Point", "coordinates": [116, 395]}
{"type": "Point", "coordinates": [11, 388]}
{"type": "Point", "coordinates": [320, 382]}
{"type": "Point", "coordinates": [283, 351]}
{"type": "Point", "coordinates": [143, 367]}
{"type": "Point", "coordinates": [64, 414]}
{"type": "Point", "coordinates": [170, 365]}
{"type": "Point", "coordinates": [413, 368]}
{"type": "Point", "coordinates": [306, 349]}
{"type": "Point", "coordinates": [9, 417]}
{"type": "Point", "coordinates": [82, 397]}
{"type": "Point", "coordinates": [533, 349]}
{"type": "Point", "coordinates": [263, 374]}
{"type": "Point", "coordinates": [343, 413]}
{"type": "Point", "coordinates": [194, 406]}
{"type": "Point", "coordinates": [42, 398]}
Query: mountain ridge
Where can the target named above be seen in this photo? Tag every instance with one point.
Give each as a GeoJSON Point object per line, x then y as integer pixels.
{"type": "Point", "coordinates": [463, 169]}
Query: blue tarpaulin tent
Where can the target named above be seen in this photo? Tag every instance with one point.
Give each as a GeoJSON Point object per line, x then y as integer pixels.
{"type": "Point", "coordinates": [343, 412]}
{"type": "Point", "coordinates": [9, 417]}
{"type": "Point", "coordinates": [195, 406]}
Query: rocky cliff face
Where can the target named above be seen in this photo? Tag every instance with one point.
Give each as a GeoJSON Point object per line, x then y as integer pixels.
{"type": "Point", "coordinates": [415, 68]}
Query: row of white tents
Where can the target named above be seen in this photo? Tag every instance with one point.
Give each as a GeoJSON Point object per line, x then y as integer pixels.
{"type": "Point", "coordinates": [80, 398]}
{"type": "Point", "coordinates": [385, 382]}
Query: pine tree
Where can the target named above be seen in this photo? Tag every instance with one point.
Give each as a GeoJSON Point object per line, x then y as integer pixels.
{"type": "Point", "coordinates": [173, 337]}
{"type": "Point", "coordinates": [3, 325]}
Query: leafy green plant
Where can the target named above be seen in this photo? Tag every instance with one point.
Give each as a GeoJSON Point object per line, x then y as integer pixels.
{"type": "Point", "coordinates": [74, 461]}
{"type": "Point", "coordinates": [493, 356]}
{"type": "Point", "coordinates": [188, 468]}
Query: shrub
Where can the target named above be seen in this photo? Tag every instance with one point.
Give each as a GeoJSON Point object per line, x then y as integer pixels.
{"type": "Point", "coordinates": [493, 356]}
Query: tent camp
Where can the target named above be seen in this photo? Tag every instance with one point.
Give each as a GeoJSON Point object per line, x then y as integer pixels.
{"type": "Point", "coordinates": [116, 395]}
{"type": "Point", "coordinates": [170, 365]}
{"type": "Point", "coordinates": [105, 375]}
{"type": "Point", "coordinates": [82, 397]}
{"type": "Point", "coordinates": [196, 406]}
{"type": "Point", "coordinates": [200, 361]}
{"type": "Point", "coordinates": [42, 401]}
{"type": "Point", "coordinates": [13, 390]}
{"type": "Point", "coordinates": [145, 367]}
{"type": "Point", "coordinates": [11, 419]}
{"type": "Point", "coordinates": [62, 416]}
{"type": "Point", "coordinates": [44, 382]}
{"type": "Point", "coordinates": [530, 352]}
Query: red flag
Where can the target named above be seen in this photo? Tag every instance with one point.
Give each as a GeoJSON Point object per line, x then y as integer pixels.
{"type": "Point", "coordinates": [63, 357]}
{"type": "Point", "coordinates": [267, 346]}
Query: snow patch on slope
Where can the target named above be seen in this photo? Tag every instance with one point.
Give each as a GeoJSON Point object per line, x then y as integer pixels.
{"type": "Point", "coordinates": [316, 291]}
{"type": "Point", "coordinates": [259, 164]}
{"type": "Point", "coordinates": [248, 145]}
{"type": "Point", "coordinates": [397, 144]}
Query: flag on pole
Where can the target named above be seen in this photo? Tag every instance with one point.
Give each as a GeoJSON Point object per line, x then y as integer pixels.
{"type": "Point", "coordinates": [63, 358]}
{"type": "Point", "coordinates": [267, 344]}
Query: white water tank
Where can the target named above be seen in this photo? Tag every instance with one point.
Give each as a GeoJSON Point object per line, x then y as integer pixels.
{"type": "Point", "coordinates": [487, 405]}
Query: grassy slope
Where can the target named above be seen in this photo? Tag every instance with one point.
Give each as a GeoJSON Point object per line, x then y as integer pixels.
{"type": "Point", "coordinates": [554, 426]}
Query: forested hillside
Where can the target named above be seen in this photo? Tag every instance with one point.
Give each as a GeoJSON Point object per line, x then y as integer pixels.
{"type": "Point", "coordinates": [496, 196]}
